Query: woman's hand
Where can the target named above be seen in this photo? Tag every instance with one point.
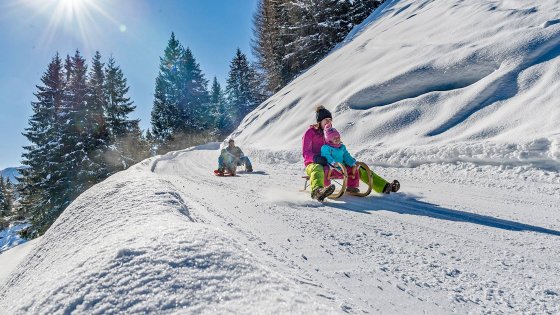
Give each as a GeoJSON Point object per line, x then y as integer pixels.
{"type": "Point", "coordinates": [321, 160]}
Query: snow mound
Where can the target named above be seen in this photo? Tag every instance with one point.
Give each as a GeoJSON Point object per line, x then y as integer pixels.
{"type": "Point", "coordinates": [431, 81]}
{"type": "Point", "coordinates": [131, 245]}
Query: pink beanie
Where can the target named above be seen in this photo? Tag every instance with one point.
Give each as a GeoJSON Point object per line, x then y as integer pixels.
{"type": "Point", "coordinates": [330, 133]}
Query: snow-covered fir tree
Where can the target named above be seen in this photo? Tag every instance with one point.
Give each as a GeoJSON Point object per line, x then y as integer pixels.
{"type": "Point", "coordinates": [4, 211]}
{"type": "Point", "coordinates": [220, 116]}
{"type": "Point", "coordinates": [290, 36]}
{"type": "Point", "coordinates": [241, 90]}
{"type": "Point", "coordinates": [129, 147]}
{"type": "Point", "coordinates": [180, 114]}
{"type": "Point", "coordinates": [39, 181]}
{"type": "Point", "coordinates": [72, 146]}
{"type": "Point", "coordinates": [98, 142]}
{"type": "Point", "coordinates": [267, 45]}
{"type": "Point", "coordinates": [80, 130]}
{"type": "Point", "coordinates": [6, 199]}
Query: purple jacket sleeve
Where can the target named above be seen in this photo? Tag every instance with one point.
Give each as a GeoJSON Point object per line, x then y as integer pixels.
{"type": "Point", "coordinates": [307, 145]}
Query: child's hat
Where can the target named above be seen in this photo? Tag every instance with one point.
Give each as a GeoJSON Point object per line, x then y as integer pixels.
{"type": "Point", "coordinates": [330, 133]}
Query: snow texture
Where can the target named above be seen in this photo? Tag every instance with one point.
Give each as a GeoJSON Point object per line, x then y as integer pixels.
{"type": "Point", "coordinates": [456, 99]}
{"type": "Point", "coordinates": [130, 244]}
{"type": "Point", "coordinates": [11, 260]}
{"type": "Point", "coordinates": [432, 81]}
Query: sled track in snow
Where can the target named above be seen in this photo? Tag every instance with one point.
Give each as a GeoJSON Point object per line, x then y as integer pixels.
{"type": "Point", "coordinates": [352, 251]}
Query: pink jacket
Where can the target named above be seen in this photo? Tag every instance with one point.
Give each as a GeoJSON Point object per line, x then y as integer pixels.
{"type": "Point", "coordinates": [312, 141]}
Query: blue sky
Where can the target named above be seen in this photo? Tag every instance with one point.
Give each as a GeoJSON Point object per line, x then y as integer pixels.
{"type": "Point", "coordinates": [134, 32]}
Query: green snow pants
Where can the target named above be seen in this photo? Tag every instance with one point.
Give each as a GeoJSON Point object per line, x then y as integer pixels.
{"type": "Point", "coordinates": [378, 182]}
{"type": "Point", "coordinates": [316, 175]}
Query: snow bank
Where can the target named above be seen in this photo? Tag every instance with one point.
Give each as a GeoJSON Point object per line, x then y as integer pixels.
{"type": "Point", "coordinates": [130, 245]}
{"type": "Point", "coordinates": [431, 81]}
{"type": "Point", "coordinates": [10, 259]}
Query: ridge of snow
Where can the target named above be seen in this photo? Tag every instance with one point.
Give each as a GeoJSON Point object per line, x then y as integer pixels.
{"type": "Point", "coordinates": [475, 228]}
{"type": "Point", "coordinates": [432, 81]}
{"type": "Point", "coordinates": [129, 244]}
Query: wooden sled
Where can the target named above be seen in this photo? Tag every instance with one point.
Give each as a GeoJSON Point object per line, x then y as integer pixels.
{"type": "Point", "coordinates": [342, 181]}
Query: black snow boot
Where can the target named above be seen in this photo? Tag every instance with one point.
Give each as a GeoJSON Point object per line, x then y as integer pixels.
{"type": "Point", "coordinates": [392, 187]}
{"type": "Point", "coordinates": [322, 192]}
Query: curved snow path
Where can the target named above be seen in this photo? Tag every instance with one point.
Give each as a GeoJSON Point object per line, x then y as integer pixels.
{"type": "Point", "coordinates": [482, 249]}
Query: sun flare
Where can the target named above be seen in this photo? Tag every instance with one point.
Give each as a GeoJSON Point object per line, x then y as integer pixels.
{"type": "Point", "coordinates": [80, 18]}
{"type": "Point", "coordinates": [71, 6]}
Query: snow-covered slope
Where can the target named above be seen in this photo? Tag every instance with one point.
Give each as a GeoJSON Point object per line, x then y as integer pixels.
{"type": "Point", "coordinates": [130, 244]}
{"type": "Point", "coordinates": [432, 81]}
{"type": "Point", "coordinates": [166, 236]}
{"type": "Point", "coordinates": [473, 83]}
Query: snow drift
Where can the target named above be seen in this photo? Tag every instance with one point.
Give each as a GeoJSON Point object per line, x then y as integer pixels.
{"type": "Point", "coordinates": [429, 82]}
{"type": "Point", "coordinates": [469, 85]}
{"type": "Point", "coordinates": [130, 245]}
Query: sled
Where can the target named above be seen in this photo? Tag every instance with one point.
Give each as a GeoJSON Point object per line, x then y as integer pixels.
{"type": "Point", "coordinates": [224, 174]}
{"type": "Point", "coordinates": [343, 180]}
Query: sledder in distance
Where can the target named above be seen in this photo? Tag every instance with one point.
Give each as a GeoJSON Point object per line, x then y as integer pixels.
{"type": "Point", "coordinates": [230, 158]}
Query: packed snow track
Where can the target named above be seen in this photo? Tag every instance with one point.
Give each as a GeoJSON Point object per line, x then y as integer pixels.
{"type": "Point", "coordinates": [447, 242]}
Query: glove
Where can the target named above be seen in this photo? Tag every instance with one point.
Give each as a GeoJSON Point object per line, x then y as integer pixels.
{"type": "Point", "coordinates": [320, 160]}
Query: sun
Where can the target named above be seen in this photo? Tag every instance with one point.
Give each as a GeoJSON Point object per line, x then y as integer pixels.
{"type": "Point", "coordinates": [72, 6]}
{"type": "Point", "coordinates": [78, 18]}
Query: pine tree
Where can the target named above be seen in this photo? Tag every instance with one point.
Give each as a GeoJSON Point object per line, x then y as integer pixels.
{"type": "Point", "coordinates": [267, 43]}
{"type": "Point", "coordinates": [290, 36]}
{"type": "Point", "coordinates": [241, 96]}
{"type": "Point", "coordinates": [76, 144]}
{"type": "Point", "coordinates": [194, 101]}
{"type": "Point", "coordinates": [181, 105]}
{"type": "Point", "coordinates": [98, 145]}
{"type": "Point", "coordinates": [70, 138]}
{"type": "Point", "coordinates": [221, 117]}
{"type": "Point", "coordinates": [4, 210]}
{"type": "Point", "coordinates": [8, 196]}
{"type": "Point", "coordinates": [42, 156]}
{"type": "Point", "coordinates": [166, 118]}
{"type": "Point", "coordinates": [360, 10]}
{"type": "Point", "coordinates": [5, 207]}
{"type": "Point", "coordinates": [125, 133]}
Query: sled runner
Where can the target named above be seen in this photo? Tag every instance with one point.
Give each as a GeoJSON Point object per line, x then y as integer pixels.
{"type": "Point", "coordinates": [232, 170]}
{"type": "Point", "coordinates": [342, 180]}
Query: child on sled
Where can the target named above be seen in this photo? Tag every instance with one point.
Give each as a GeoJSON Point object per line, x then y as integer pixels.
{"type": "Point", "coordinates": [334, 151]}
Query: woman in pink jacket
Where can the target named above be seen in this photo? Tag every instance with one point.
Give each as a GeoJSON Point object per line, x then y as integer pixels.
{"type": "Point", "coordinates": [313, 140]}
{"type": "Point", "coordinates": [316, 165]}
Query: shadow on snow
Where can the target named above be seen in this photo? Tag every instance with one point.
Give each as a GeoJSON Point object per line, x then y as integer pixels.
{"type": "Point", "coordinates": [412, 206]}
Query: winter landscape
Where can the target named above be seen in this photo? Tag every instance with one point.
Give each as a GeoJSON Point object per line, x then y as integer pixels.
{"type": "Point", "coordinates": [458, 100]}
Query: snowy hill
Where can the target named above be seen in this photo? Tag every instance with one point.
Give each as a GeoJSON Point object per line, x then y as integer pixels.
{"type": "Point", "coordinates": [457, 99]}
{"type": "Point", "coordinates": [432, 81]}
